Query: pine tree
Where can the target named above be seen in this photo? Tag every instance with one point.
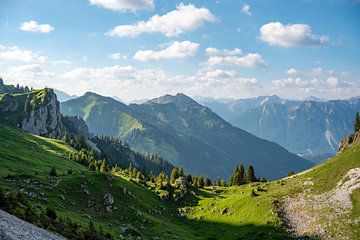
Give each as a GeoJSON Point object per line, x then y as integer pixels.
{"type": "Point", "coordinates": [208, 182]}
{"type": "Point", "coordinates": [218, 182]}
{"type": "Point", "coordinates": [104, 167]}
{"type": "Point", "coordinates": [241, 174]}
{"type": "Point", "coordinates": [174, 175]}
{"type": "Point", "coordinates": [189, 179]}
{"type": "Point", "coordinates": [200, 182]}
{"type": "Point", "coordinates": [357, 122]}
{"type": "Point", "coordinates": [66, 138]}
{"type": "Point", "coordinates": [194, 181]}
{"type": "Point", "coordinates": [250, 175]}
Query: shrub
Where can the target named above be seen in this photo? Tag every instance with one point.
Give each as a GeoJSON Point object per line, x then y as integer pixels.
{"type": "Point", "coordinates": [51, 213]}
{"type": "Point", "coordinates": [53, 172]}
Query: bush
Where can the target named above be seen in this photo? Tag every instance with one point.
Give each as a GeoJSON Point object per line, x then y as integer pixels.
{"type": "Point", "coordinates": [53, 172]}
{"type": "Point", "coordinates": [51, 213]}
{"type": "Point", "coordinates": [70, 171]}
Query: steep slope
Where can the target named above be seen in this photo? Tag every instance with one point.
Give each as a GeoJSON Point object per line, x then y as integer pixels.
{"type": "Point", "coordinates": [184, 132]}
{"type": "Point", "coordinates": [25, 163]}
{"type": "Point", "coordinates": [309, 128]}
{"type": "Point", "coordinates": [220, 213]}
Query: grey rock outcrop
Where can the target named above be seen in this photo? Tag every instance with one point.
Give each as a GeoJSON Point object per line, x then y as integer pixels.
{"type": "Point", "coordinates": [9, 103]}
{"type": "Point", "coordinates": [13, 228]}
{"type": "Point", "coordinates": [108, 202]}
{"type": "Point", "coordinates": [348, 141]}
{"type": "Point", "coordinates": [44, 119]}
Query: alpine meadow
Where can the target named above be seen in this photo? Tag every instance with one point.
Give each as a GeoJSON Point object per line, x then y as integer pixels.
{"type": "Point", "coordinates": [179, 120]}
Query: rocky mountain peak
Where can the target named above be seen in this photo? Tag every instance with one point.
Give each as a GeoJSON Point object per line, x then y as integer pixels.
{"type": "Point", "coordinates": [180, 100]}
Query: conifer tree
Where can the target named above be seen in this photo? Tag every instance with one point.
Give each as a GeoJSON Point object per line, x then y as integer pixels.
{"type": "Point", "coordinates": [174, 175]}
{"type": "Point", "coordinates": [218, 182]}
{"type": "Point", "coordinates": [357, 122]}
{"type": "Point", "coordinates": [250, 175]}
{"type": "Point", "coordinates": [207, 182]}
{"type": "Point", "coordinates": [200, 182]}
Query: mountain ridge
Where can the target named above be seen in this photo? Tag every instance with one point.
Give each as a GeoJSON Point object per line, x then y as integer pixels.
{"type": "Point", "coordinates": [172, 125]}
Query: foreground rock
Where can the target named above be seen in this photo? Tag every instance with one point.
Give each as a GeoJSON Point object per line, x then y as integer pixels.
{"type": "Point", "coordinates": [314, 215]}
{"type": "Point", "coordinates": [13, 228]}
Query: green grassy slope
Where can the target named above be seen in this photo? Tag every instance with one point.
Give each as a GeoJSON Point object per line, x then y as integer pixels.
{"type": "Point", "coordinates": [25, 156]}
{"type": "Point", "coordinates": [224, 213]}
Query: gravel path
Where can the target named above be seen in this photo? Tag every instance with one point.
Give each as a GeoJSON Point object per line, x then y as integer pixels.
{"type": "Point", "coordinates": [314, 215]}
{"type": "Point", "coordinates": [13, 228]}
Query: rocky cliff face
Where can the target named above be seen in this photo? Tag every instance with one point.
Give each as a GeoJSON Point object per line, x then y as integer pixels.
{"type": "Point", "coordinates": [37, 112]}
{"type": "Point", "coordinates": [75, 124]}
{"type": "Point", "coordinates": [44, 119]}
{"type": "Point", "coordinates": [348, 141]}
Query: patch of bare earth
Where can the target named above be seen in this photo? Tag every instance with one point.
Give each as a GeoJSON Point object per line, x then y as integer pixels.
{"type": "Point", "coordinates": [325, 216]}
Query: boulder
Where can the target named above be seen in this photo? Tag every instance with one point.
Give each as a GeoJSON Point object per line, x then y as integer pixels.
{"type": "Point", "coordinates": [108, 202]}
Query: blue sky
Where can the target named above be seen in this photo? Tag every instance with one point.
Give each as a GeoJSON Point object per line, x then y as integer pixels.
{"type": "Point", "coordinates": [136, 49]}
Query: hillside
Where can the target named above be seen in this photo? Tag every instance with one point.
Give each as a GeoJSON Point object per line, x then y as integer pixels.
{"type": "Point", "coordinates": [224, 213]}
{"type": "Point", "coordinates": [184, 132]}
{"type": "Point", "coordinates": [309, 128]}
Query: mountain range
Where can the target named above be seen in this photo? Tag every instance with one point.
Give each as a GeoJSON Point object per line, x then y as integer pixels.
{"type": "Point", "coordinates": [185, 133]}
{"type": "Point", "coordinates": [309, 128]}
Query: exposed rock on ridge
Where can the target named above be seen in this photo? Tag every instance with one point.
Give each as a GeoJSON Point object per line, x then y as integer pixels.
{"type": "Point", "coordinates": [45, 119]}
{"type": "Point", "coordinates": [348, 141]}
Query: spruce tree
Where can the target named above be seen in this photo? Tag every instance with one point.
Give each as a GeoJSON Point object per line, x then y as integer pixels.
{"type": "Point", "coordinates": [250, 175]}
{"type": "Point", "coordinates": [357, 122]}
{"type": "Point", "coordinates": [200, 182]}
{"type": "Point", "coordinates": [208, 182]}
{"type": "Point", "coordinates": [218, 182]}
{"type": "Point", "coordinates": [174, 175]}
{"type": "Point", "coordinates": [241, 174]}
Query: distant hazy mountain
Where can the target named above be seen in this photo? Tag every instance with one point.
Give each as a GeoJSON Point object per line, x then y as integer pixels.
{"type": "Point", "coordinates": [312, 129]}
{"type": "Point", "coordinates": [185, 133]}
{"type": "Point", "coordinates": [63, 96]}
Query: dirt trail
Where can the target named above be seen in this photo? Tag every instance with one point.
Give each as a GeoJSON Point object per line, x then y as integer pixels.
{"type": "Point", "coordinates": [314, 215]}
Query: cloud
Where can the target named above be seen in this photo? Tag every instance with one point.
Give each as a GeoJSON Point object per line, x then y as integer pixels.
{"type": "Point", "coordinates": [17, 54]}
{"type": "Point", "coordinates": [184, 19]}
{"type": "Point", "coordinates": [291, 35]}
{"type": "Point", "coordinates": [246, 9]}
{"type": "Point", "coordinates": [33, 26]}
{"type": "Point", "coordinates": [293, 71]}
{"type": "Point", "coordinates": [215, 51]}
{"type": "Point", "coordinates": [60, 62]}
{"type": "Point", "coordinates": [251, 60]}
{"type": "Point", "coordinates": [124, 5]}
{"type": "Point", "coordinates": [315, 72]}
{"type": "Point", "coordinates": [304, 83]}
{"type": "Point", "coordinates": [175, 50]}
{"type": "Point", "coordinates": [30, 75]}
{"type": "Point", "coordinates": [219, 73]}
{"type": "Point", "coordinates": [130, 83]}
{"type": "Point", "coordinates": [117, 56]}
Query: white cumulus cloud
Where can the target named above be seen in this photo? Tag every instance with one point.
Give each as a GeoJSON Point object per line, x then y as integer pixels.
{"type": "Point", "coordinates": [291, 35]}
{"type": "Point", "coordinates": [184, 19]}
{"type": "Point", "coordinates": [124, 5]}
{"type": "Point", "coordinates": [175, 50]}
{"type": "Point", "coordinates": [251, 60]}
{"type": "Point", "coordinates": [33, 26]}
{"type": "Point", "coordinates": [16, 54]}
{"type": "Point", "coordinates": [215, 51]}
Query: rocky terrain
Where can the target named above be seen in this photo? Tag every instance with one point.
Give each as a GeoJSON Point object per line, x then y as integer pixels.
{"type": "Point", "coordinates": [13, 228]}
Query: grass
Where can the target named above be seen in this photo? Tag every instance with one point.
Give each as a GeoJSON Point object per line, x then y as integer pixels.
{"type": "Point", "coordinates": [221, 213]}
